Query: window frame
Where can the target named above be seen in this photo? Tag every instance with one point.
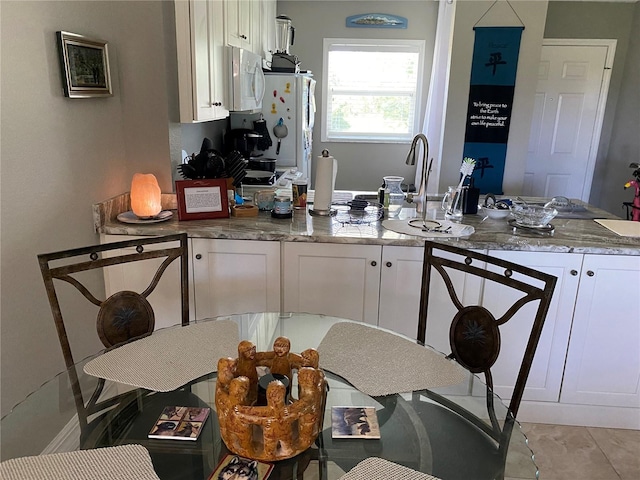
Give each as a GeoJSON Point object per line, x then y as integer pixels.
{"type": "Point", "coordinates": [383, 44]}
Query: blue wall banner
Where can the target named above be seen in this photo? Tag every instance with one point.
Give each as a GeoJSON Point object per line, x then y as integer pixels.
{"type": "Point", "coordinates": [493, 79]}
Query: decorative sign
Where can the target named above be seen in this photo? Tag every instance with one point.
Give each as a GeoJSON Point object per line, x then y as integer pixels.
{"type": "Point", "coordinates": [376, 20]}
{"type": "Point", "coordinates": [493, 78]}
{"type": "Point", "coordinates": [202, 199]}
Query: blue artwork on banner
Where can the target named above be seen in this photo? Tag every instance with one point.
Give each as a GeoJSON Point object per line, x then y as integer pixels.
{"type": "Point", "coordinates": [490, 158]}
{"type": "Point", "coordinates": [493, 77]}
{"type": "Point", "coordinates": [495, 55]}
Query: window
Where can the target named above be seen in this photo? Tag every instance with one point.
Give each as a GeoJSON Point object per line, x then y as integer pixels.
{"type": "Point", "coordinates": [371, 89]}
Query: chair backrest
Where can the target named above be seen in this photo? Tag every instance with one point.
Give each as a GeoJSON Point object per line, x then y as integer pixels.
{"type": "Point", "coordinates": [474, 334]}
{"type": "Point", "coordinates": [122, 317]}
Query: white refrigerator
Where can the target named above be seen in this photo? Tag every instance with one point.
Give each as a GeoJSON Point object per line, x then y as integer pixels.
{"type": "Point", "coordinates": [290, 97]}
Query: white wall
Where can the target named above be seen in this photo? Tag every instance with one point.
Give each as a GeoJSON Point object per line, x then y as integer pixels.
{"type": "Point", "coordinates": [59, 156]}
{"type": "Point", "coordinates": [624, 147]}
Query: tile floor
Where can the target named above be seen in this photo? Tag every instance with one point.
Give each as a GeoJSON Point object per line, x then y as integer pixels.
{"type": "Point", "coordinates": [584, 453]}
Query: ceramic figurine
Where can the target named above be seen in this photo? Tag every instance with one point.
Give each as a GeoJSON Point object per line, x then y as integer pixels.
{"type": "Point", "coordinates": [247, 367]}
{"type": "Point", "coordinates": [282, 428]}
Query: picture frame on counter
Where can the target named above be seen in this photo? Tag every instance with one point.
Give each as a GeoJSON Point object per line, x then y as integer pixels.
{"type": "Point", "coordinates": [84, 64]}
{"type": "Point", "coordinates": [202, 199]}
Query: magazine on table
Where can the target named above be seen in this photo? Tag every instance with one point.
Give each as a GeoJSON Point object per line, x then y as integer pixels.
{"type": "Point", "coordinates": [180, 423]}
{"type": "Point", "coordinates": [354, 422]}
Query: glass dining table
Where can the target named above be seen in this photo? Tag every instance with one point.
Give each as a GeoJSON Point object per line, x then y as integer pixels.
{"type": "Point", "coordinates": [426, 430]}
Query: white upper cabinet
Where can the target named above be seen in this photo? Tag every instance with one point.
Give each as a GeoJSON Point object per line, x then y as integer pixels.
{"type": "Point", "coordinates": [240, 20]}
{"type": "Point", "coordinates": [268, 13]}
{"type": "Point", "coordinates": [201, 60]}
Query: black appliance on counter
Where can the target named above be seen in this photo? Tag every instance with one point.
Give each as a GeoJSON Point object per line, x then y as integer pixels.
{"type": "Point", "coordinates": [260, 169]}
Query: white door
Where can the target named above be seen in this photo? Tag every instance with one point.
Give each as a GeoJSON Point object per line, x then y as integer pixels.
{"type": "Point", "coordinates": [567, 117]}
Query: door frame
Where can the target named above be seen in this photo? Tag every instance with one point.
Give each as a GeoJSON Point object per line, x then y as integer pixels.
{"type": "Point", "coordinates": [610, 44]}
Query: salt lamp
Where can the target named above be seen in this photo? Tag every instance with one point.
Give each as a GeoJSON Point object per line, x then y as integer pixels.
{"type": "Point", "coordinates": [145, 195]}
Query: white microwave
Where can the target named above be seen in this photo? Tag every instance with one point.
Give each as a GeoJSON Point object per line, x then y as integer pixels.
{"type": "Point", "coordinates": [246, 81]}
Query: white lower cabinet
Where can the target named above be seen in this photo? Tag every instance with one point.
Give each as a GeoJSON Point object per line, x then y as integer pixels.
{"type": "Point", "coordinates": [374, 284]}
{"type": "Point", "coordinates": [235, 276]}
{"type": "Point", "coordinates": [341, 280]}
{"type": "Point", "coordinates": [603, 361]}
{"type": "Point", "coordinates": [586, 370]}
{"type": "Point", "coordinates": [165, 299]}
{"type": "Point", "coordinates": [545, 378]}
{"type": "Point", "coordinates": [400, 283]}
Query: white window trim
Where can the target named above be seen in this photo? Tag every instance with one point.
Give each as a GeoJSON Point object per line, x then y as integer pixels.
{"type": "Point", "coordinates": [366, 138]}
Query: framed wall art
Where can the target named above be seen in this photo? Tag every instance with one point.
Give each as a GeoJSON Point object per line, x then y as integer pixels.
{"type": "Point", "coordinates": [85, 66]}
{"type": "Point", "coordinates": [202, 199]}
{"type": "Point", "coordinates": [376, 20]}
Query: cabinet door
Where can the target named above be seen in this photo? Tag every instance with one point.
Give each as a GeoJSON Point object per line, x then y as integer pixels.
{"type": "Point", "coordinates": [545, 377]}
{"type": "Point", "coordinates": [441, 309]}
{"type": "Point", "coordinates": [165, 299]}
{"type": "Point", "coordinates": [401, 278]}
{"type": "Point", "coordinates": [201, 60]}
{"type": "Point", "coordinates": [238, 15]}
{"type": "Point", "coordinates": [235, 276]}
{"type": "Point", "coordinates": [267, 21]}
{"type": "Point", "coordinates": [603, 361]}
{"type": "Point", "coordinates": [333, 279]}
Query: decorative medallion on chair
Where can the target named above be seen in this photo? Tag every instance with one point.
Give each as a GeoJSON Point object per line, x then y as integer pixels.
{"type": "Point", "coordinates": [123, 316]}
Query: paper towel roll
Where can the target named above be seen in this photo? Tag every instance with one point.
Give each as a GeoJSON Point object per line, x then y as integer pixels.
{"type": "Point", "coordinates": [326, 171]}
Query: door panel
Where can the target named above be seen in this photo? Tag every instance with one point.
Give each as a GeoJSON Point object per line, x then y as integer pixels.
{"type": "Point", "coordinates": [564, 120]}
{"type": "Point", "coordinates": [339, 280]}
{"type": "Point", "coordinates": [235, 276]}
{"type": "Point", "coordinates": [603, 360]}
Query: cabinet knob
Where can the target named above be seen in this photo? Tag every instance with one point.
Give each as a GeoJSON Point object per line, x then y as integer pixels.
{"type": "Point", "coordinates": [590, 273]}
{"type": "Point", "coordinates": [373, 263]}
{"type": "Point", "coordinates": [244, 37]}
{"type": "Point", "coordinates": [574, 272]}
{"type": "Point", "coordinates": [198, 256]}
{"type": "Point", "coordinates": [388, 264]}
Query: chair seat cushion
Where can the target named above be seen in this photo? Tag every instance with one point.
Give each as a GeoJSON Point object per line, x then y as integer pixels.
{"type": "Point", "coordinates": [126, 462]}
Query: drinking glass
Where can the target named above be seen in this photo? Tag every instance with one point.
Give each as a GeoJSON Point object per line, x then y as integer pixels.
{"type": "Point", "coordinates": [452, 204]}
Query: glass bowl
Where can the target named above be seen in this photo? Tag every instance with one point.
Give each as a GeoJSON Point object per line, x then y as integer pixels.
{"type": "Point", "coordinates": [533, 215]}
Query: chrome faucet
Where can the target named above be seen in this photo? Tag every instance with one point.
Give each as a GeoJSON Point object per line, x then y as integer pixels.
{"type": "Point", "coordinates": [424, 177]}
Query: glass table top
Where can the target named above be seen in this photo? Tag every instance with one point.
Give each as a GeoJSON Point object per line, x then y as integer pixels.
{"type": "Point", "coordinates": [420, 430]}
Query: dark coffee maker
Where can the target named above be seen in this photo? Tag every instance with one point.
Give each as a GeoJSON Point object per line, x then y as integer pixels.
{"type": "Point", "coordinates": [243, 140]}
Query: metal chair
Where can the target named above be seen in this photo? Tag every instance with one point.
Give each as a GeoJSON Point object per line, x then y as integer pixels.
{"type": "Point", "coordinates": [123, 317]}
{"type": "Point", "coordinates": [474, 338]}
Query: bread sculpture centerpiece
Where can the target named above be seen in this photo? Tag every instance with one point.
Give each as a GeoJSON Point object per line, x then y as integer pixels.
{"type": "Point", "coordinates": [284, 426]}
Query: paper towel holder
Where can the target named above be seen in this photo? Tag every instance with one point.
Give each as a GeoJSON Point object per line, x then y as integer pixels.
{"type": "Point", "coordinates": [330, 212]}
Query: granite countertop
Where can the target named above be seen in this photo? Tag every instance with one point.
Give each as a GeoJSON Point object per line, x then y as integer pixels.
{"type": "Point", "coordinates": [571, 235]}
